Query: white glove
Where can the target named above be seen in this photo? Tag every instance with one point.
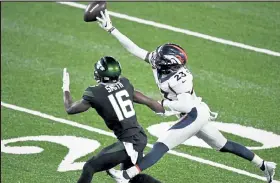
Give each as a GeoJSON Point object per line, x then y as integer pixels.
{"type": "Point", "coordinates": [213, 115]}
{"type": "Point", "coordinates": [105, 21]}
{"type": "Point", "coordinates": [168, 113]}
{"type": "Point", "coordinates": [66, 80]}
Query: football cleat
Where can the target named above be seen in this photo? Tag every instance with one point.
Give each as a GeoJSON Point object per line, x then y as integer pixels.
{"type": "Point", "coordinates": [117, 175]}
{"type": "Point", "coordinates": [269, 170]}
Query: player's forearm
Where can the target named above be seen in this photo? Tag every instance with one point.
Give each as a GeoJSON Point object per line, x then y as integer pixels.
{"type": "Point", "coordinates": [155, 106]}
{"type": "Point", "coordinates": [74, 107]}
{"type": "Point", "coordinates": [69, 105]}
{"type": "Point", "coordinates": [129, 45]}
{"type": "Point", "coordinates": [140, 98]}
{"type": "Point", "coordinates": [68, 102]}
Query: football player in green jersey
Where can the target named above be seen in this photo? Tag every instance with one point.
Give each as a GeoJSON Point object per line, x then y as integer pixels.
{"type": "Point", "coordinates": [113, 100]}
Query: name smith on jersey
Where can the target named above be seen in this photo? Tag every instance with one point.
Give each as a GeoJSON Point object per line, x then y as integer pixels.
{"type": "Point", "coordinates": [111, 88]}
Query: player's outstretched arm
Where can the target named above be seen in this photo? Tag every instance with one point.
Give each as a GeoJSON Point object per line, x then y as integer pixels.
{"type": "Point", "coordinates": [74, 107]}
{"type": "Point", "coordinates": [105, 23]}
{"type": "Point", "coordinates": [70, 106]}
{"type": "Point", "coordinates": [140, 98]}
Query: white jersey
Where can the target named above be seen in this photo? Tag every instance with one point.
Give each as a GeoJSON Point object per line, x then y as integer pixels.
{"type": "Point", "coordinates": [179, 89]}
{"type": "Point", "coordinates": [174, 84]}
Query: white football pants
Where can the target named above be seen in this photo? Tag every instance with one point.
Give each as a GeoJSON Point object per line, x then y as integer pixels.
{"type": "Point", "coordinates": [194, 123]}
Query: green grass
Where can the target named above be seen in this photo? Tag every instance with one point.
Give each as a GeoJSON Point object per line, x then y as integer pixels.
{"type": "Point", "coordinates": [40, 39]}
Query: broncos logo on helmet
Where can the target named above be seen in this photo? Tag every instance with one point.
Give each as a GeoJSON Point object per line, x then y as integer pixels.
{"type": "Point", "coordinates": [169, 58]}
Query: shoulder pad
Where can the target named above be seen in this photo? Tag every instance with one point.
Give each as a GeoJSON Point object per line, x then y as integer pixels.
{"type": "Point", "coordinates": [90, 91]}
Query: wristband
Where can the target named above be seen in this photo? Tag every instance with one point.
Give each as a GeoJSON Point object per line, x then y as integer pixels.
{"type": "Point", "coordinates": [111, 30]}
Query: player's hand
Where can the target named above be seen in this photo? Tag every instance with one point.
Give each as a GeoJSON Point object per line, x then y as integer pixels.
{"type": "Point", "coordinates": [213, 115]}
{"type": "Point", "coordinates": [105, 21]}
{"type": "Point", "coordinates": [168, 113]}
{"type": "Point", "coordinates": [65, 80]}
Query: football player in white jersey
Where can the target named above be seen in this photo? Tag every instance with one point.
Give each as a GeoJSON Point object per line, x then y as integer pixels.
{"type": "Point", "coordinates": [176, 83]}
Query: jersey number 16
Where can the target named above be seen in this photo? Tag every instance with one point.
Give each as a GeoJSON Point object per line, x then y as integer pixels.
{"type": "Point", "coordinates": [123, 108]}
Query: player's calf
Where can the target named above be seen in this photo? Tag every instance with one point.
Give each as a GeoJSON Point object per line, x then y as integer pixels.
{"type": "Point", "coordinates": [238, 149]}
{"type": "Point", "coordinates": [87, 173]}
{"type": "Point", "coordinates": [267, 167]}
{"type": "Point", "coordinates": [159, 149]}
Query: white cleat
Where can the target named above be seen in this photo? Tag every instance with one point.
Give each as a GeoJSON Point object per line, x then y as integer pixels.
{"type": "Point", "coordinates": [117, 175]}
{"type": "Point", "coordinates": [269, 170]}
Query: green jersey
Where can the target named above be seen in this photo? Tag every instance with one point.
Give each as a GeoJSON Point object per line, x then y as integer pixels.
{"type": "Point", "coordinates": [114, 103]}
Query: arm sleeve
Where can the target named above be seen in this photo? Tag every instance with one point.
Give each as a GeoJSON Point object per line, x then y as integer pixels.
{"type": "Point", "coordinates": [129, 45]}
{"type": "Point", "coordinates": [181, 105]}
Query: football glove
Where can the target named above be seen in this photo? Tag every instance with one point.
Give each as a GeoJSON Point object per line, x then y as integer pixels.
{"type": "Point", "coordinates": [213, 115]}
{"type": "Point", "coordinates": [65, 80]}
{"type": "Point", "coordinates": [105, 21]}
{"type": "Point", "coordinates": [168, 113]}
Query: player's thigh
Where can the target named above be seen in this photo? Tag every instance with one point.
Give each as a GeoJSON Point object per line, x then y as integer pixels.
{"type": "Point", "coordinates": [212, 136]}
{"type": "Point", "coordinates": [109, 157]}
{"type": "Point", "coordinates": [115, 147]}
{"type": "Point", "coordinates": [185, 128]}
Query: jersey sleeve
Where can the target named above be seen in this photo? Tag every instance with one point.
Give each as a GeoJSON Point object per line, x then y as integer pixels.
{"type": "Point", "coordinates": [150, 58]}
{"type": "Point", "coordinates": [125, 81]}
{"type": "Point", "coordinates": [89, 96]}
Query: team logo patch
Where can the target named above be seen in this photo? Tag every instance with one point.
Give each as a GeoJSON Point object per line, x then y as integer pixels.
{"type": "Point", "coordinates": [99, 66]}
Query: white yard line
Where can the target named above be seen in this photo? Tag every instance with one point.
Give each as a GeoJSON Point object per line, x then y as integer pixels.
{"type": "Point", "coordinates": [103, 132]}
{"type": "Point", "coordinates": [184, 31]}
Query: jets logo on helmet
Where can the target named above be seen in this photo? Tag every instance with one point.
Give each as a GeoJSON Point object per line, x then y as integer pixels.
{"type": "Point", "coordinates": [99, 66]}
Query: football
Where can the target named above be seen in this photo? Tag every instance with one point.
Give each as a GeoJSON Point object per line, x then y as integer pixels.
{"type": "Point", "coordinates": [93, 10]}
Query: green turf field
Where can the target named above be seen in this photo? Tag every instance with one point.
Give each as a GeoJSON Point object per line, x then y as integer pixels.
{"type": "Point", "coordinates": [39, 39]}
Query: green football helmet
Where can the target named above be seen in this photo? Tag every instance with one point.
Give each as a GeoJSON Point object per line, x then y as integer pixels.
{"type": "Point", "coordinates": [107, 70]}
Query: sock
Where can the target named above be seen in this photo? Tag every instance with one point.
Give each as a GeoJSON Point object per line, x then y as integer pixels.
{"type": "Point", "coordinates": [258, 162]}
{"type": "Point", "coordinates": [131, 172]}
{"type": "Point", "coordinates": [158, 151]}
{"type": "Point", "coordinates": [238, 149]}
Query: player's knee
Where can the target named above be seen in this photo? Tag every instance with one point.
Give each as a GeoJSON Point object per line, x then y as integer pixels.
{"type": "Point", "coordinates": [88, 168]}
{"type": "Point", "coordinates": [228, 147]}
{"type": "Point", "coordinates": [218, 145]}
